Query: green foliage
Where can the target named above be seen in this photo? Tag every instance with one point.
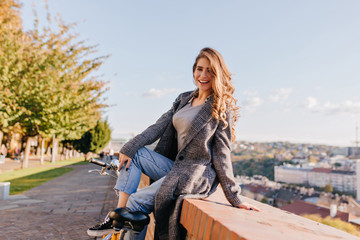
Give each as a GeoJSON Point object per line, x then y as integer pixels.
{"type": "Point", "coordinates": [93, 140]}
{"type": "Point", "coordinates": [335, 222]}
{"type": "Point", "coordinates": [46, 81]}
{"type": "Point", "coordinates": [253, 167]}
{"type": "Point", "coordinates": [11, 48]}
{"type": "Point", "coordinates": [54, 88]}
{"type": "Point", "coordinates": [328, 188]}
{"type": "Point", "coordinates": [337, 164]}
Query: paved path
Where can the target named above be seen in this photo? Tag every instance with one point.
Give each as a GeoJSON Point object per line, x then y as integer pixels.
{"type": "Point", "coordinates": [62, 208]}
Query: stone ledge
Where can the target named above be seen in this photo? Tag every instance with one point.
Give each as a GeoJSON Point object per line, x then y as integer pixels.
{"type": "Point", "coordinates": [215, 218]}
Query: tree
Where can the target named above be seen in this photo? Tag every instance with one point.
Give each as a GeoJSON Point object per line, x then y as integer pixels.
{"type": "Point", "coordinates": [328, 188]}
{"type": "Point", "coordinates": [48, 86]}
{"type": "Point", "coordinates": [337, 165]}
{"type": "Point", "coordinates": [11, 36]}
{"type": "Point", "coordinates": [93, 140]}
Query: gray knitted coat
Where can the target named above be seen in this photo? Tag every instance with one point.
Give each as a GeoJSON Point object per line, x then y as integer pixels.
{"type": "Point", "coordinates": [201, 163]}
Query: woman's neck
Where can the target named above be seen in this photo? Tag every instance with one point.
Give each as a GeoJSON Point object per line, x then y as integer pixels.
{"type": "Point", "coordinates": [200, 98]}
{"type": "Point", "coordinates": [203, 95]}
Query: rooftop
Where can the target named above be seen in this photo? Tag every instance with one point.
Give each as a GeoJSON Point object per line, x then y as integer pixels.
{"type": "Point", "coordinates": [322, 170]}
{"type": "Point", "coordinates": [301, 207]}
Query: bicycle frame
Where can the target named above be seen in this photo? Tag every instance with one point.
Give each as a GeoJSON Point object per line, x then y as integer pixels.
{"type": "Point", "coordinates": [114, 236]}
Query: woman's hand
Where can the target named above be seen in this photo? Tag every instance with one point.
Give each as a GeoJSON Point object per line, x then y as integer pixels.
{"type": "Point", "coordinates": [248, 206]}
{"type": "Point", "coordinates": [122, 159]}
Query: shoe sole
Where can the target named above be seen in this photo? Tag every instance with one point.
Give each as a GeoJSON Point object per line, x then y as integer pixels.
{"type": "Point", "coordinates": [100, 233]}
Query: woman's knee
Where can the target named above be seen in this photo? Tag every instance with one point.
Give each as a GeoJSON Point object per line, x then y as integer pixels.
{"type": "Point", "coordinates": [135, 204]}
{"type": "Point", "coordinates": [142, 200]}
{"type": "Point", "coordinates": [132, 203]}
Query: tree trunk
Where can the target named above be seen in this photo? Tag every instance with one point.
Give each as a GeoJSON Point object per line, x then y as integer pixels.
{"type": "Point", "coordinates": [54, 149]}
{"type": "Point", "coordinates": [62, 152]}
{"type": "Point", "coordinates": [47, 152]}
{"type": "Point", "coordinates": [67, 153]}
{"type": "Point", "coordinates": [1, 148]}
{"type": "Point", "coordinates": [1, 137]}
{"type": "Point", "coordinates": [25, 159]}
{"type": "Point", "coordinates": [42, 151]}
{"type": "Point", "coordinates": [38, 147]}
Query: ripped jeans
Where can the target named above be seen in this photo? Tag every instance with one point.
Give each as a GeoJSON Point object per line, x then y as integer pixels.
{"type": "Point", "coordinates": [151, 164]}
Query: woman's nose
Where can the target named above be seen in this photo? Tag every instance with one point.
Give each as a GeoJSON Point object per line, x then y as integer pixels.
{"type": "Point", "coordinates": [204, 73]}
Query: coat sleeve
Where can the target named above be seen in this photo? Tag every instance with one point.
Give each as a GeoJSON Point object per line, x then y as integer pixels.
{"type": "Point", "coordinates": [222, 161]}
{"type": "Point", "coordinates": [151, 134]}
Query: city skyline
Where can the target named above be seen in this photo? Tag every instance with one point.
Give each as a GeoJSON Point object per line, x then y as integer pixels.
{"type": "Point", "coordinates": [294, 64]}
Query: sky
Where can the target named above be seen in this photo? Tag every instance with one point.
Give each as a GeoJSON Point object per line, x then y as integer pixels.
{"type": "Point", "coordinates": [295, 64]}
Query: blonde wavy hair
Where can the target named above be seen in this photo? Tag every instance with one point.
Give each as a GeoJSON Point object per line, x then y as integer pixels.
{"type": "Point", "coordinates": [222, 87]}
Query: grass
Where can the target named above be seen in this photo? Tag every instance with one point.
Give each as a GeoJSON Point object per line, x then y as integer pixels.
{"type": "Point", "coordinates": [336, 223]}
{"type": "Point", "coordinates": [8, 176]}
{"type": "Point", "coordinates": [25, 179]}
{"type": "Point", "coordinates": [22, 184]}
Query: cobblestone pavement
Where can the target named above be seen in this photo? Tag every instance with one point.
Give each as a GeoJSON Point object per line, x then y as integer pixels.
{"type": "Point", "coordinates": [62, 208]}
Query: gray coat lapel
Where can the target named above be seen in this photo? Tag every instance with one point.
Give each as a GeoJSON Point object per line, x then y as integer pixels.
{"type": "Point", "coordinates": [199, 122]}
{"type": "Point", "coordinates": [184, 101]}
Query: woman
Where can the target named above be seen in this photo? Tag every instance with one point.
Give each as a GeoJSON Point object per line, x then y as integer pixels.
{"type": "Point", "coordinates": [193, 152]}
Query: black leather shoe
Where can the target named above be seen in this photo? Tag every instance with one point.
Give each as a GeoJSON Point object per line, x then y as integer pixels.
{"type": "Point", "coordinates": [124, 218]}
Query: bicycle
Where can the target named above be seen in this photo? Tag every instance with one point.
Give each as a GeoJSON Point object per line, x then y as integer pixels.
{"type": "Point", "coordinates": [124, 221]}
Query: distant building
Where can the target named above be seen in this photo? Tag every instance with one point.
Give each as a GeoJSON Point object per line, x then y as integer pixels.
{"type": "Point", "coordinates": [344, 181]}
{"type": "Point", "coordinates": [344, 203]}
{"type": "Point", "coordinates": [300, 160]}
{"type": "Point", "coordinates": [353, 152]}
{"type": "Point", "coordinates": [358, 179]}
{"type": "Point", "coordinates": [348, 151]}
{"type": "Point", "coordinates": [319, 177]}
{"type": "Point", "coordinates": [341, 180]}
{"type": "Point", "coordinates": [285, 196]}
{"type": "Point", "coordinates": [115, 145]}
{"type": "Point", "coordinates": [291, 174]}
{"type": "Point", "coordinates": [341, 151]}
{"type": "Point", "coordinates": [254, 191]}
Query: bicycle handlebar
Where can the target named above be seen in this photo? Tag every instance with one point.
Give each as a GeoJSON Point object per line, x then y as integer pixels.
{"type": "Point", "coordinates": [98, 162]}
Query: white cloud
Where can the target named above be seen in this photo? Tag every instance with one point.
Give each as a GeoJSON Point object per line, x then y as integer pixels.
{"type": "Point", "coordinates": [251, 103]}
{"type": "Point", "coordinates": [310, 102]}
{"type": "Point", "coordinates": [158, 93]}
{"type": "Point", "coordinates": [281, 95]}
{"type": "Point", "coordinates": [329, 108]}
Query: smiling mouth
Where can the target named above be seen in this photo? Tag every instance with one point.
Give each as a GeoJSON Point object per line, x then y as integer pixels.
{"type": "Point", "coordinates": [204, 82]}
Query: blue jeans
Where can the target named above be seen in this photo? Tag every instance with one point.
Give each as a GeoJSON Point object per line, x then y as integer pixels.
{"type": "Point", "coordinates": [151, 164]}
{"type": "Point", "coordinates": [155, 166]}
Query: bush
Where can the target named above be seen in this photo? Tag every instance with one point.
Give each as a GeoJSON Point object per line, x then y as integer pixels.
{"type": "Point", "coordinates": [335, 222]}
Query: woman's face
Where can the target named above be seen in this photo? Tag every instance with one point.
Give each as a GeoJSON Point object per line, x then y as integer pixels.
{"type": "Point", "coordinates": [202, 75]}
